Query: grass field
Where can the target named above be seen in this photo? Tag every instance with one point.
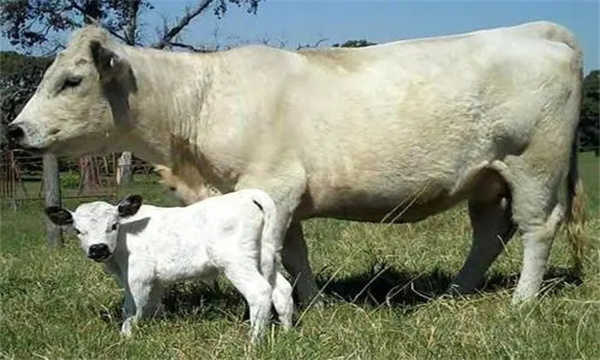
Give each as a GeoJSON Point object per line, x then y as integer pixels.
{"type": "Point", "coordinates": [382, 287]}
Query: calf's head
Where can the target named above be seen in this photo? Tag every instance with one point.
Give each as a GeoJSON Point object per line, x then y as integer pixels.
{"type": "Point", "coordinates": [96, 223]}
{"type": "Point", "coordinates": [71, 112]}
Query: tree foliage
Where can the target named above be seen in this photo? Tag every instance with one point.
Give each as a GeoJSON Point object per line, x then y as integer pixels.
{"type": "Point", "coordinates": [590, 107]}
{"type": "Point", "coordinates": [30, 23]}
{"type": "Point", "coordinates": [355, 43]}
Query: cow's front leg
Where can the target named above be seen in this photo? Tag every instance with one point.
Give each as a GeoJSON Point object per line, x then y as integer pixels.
{"type": "Point", "coordinates": [289, 238]}
{"type": "Point", "coordinates": [295, 260]}
{"type": "Point", "coordinates": [294, 253]}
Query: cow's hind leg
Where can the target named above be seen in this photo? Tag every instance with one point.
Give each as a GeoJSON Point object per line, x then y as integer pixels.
{"type": "Point", "coordinates": [492, 229]}
{"type": "Point", "coordinates": [537, 212]}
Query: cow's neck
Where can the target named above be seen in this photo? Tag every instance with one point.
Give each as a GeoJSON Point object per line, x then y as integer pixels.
{"type": "Point", "coordinates": [165, 107]}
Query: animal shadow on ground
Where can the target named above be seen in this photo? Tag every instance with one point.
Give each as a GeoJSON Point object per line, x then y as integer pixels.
{"type": "Point", "coordinates": [385, 285]}
{"type": "Point", "coordinates": [191, 299]}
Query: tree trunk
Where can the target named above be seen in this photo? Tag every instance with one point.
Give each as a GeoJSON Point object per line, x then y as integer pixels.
{"type": "Point", "coordinates": [89, 174]}
{"type": "Point", "coordinates": [124, 170]}
{"type": "Point", "coordinates": [52, 198]}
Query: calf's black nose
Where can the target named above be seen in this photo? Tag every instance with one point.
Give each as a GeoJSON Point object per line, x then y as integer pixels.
{"type": "Point", "coordinates": [98, 252]}
{"type": "Point", "coordinates": [15, 132]}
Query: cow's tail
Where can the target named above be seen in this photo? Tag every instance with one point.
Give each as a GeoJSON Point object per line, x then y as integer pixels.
{"type": "Point", "coordinates": [268, 242]}
{"type": "Point", "coordinates": [575, 212]}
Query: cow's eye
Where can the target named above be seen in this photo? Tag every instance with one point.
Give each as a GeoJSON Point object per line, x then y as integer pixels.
{"type": "Point", "coordinates": [114, 226]}
{"type": "Point", "coordinates": [77, 231]}
{"type": "Point", "coordinates": [71, 82]}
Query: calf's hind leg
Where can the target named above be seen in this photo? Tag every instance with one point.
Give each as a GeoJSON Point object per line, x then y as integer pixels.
{"type": "Point", "coordinates": [282, 300]}
{"type": "Point", "coordinates": [257, 292]}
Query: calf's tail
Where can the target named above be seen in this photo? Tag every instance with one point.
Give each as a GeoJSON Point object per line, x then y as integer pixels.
{"type": "Point", "coordinates": [268, 248]}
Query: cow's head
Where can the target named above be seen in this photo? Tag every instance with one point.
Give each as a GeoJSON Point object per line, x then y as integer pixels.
{"type": "Point", "coordinates": [70, 111]}
{"type": "Point", "coordinates": [193, 188]}
{"type": "Point", "coordinates": [97, 224]}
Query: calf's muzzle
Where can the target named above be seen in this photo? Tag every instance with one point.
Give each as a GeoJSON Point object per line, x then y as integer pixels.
{"type": "Point", "coordinates": [98, 252]}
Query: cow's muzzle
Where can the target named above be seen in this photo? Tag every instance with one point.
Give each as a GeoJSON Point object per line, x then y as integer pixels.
{"type": "Point", "coordinates": [99, 252]}
{"type": "Point", "coordinates": [15, 133]}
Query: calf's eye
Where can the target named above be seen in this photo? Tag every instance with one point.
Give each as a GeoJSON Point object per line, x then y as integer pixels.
{"type": "Point", "coordinates": [114, 226]}
{"type": "Point", "coordinates": [77, 231]}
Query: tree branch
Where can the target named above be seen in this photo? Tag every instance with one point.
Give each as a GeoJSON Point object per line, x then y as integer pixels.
{"type": "Point", "coordinates": [190, 47]}
{"type": "Point", "coordinates": [53, 50]}
{"type": "Point", "coordinates": [314, 45]}
{"type": "Point", "coordinates": [134, 7]}
{"type": "Point", "coordinates": [183, 22]}
{"type": "Point", "coordinates": [95, 21]}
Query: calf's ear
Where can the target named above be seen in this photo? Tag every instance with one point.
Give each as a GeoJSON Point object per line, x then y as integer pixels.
{"type": "Point", "coordinates": [130, 205]}
{"type": "Point", "coordinates": [59, 216]}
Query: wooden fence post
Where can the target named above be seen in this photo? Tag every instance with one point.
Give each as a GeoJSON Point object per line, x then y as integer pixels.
{"type": "Point", "coordinates": [124, 169]}
{"type": "Point", "coordinates": [52, 198]}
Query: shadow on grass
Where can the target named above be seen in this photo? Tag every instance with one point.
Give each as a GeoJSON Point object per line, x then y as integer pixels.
{"type": "Point", "coordinates": [208, 301]}
{"type": "Point", "coordinates": [388, 286]}
{"type": "Point", "coordinates": [191, 299]}
{"type": "Point", "coordinates": [383, 286]}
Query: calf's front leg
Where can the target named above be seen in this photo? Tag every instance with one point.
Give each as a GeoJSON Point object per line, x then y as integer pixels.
{"type": "Point", "coordinates": [142, 299]}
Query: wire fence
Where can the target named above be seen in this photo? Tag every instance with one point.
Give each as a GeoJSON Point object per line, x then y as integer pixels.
{"type": "Point", "coordinates": [86, 177]}
{"type": "Point", "coordinates": [21, 175]}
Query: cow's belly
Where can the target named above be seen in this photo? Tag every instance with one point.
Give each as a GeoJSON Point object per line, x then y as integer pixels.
{"type": "Point", "coordinates": [402, 212]}
{"type": "Point", "coordinates": [406, 197]}
{"type": "Point", "coordinates": [398, 204]}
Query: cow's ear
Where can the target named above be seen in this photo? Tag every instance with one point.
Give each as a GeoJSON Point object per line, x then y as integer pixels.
{"type": "Point", "coordinates": [108, 63]}
{"type": "Point", "coordinates": [130, 205]}
{"type": "Point", "coordinates": [59, 216]}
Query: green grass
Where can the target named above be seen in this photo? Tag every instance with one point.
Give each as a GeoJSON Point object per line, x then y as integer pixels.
{"type": "Point", "coordinates": [57, 304]}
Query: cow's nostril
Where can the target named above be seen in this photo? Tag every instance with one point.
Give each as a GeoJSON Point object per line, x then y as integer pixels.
{"type": "Point", "coordinates": [15, 132]}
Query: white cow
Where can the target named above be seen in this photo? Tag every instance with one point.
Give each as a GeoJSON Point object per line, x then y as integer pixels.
{"type": "Point", "coordinates": [147, 247]}
{"type": "Point", "coordinates": [487, 117]}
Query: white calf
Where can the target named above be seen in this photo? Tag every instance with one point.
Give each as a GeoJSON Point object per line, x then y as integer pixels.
{"type": "Point", "coordinates": [147, 247]}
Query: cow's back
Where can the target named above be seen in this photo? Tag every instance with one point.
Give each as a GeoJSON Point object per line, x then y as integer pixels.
{"type": "Point", "coordinates": [409, 120]}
